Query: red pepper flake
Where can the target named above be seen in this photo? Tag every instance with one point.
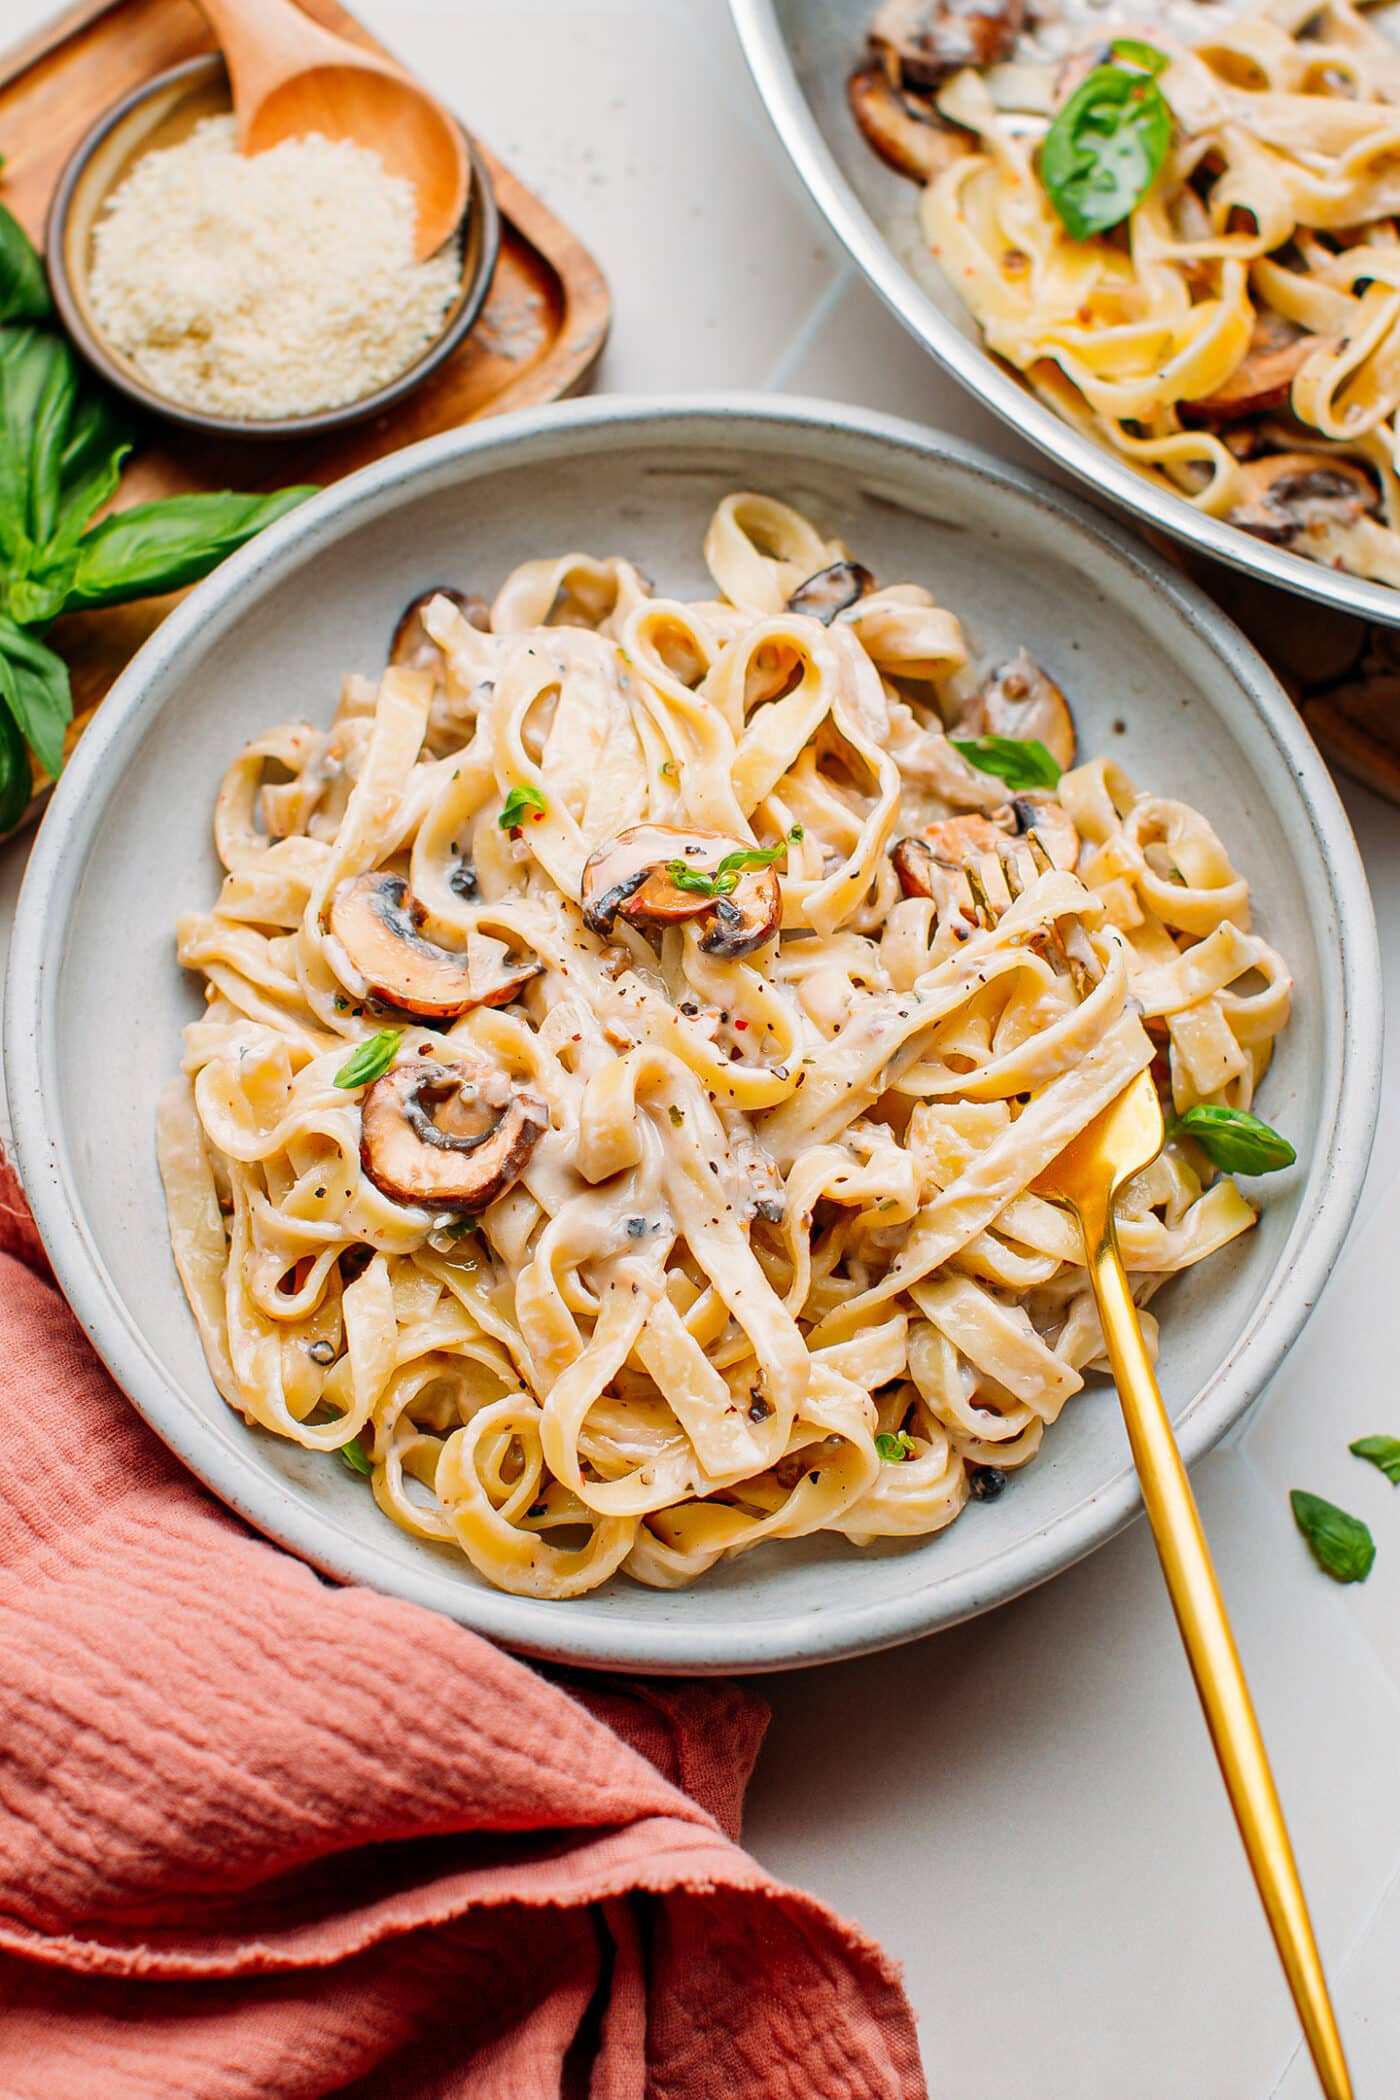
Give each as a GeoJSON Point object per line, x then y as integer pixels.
{"type": "Point", "coordinates": [741, 1024]}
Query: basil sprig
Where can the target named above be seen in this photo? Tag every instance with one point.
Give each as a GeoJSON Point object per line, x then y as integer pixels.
{"type": "Point", "coordinates": [520, 799]}
{"type": "Point", "coordinates": [894, 1446]}
{"type": "Point", "coordinates": [1235, 1140]}
{"type": "Point", "coordinates": [1383, 1452]}
{"type": "Point", "coordinates": [1107, 144]}
{"type": "Point", "coordinates": [1021, 761]}
{"type": "Point", "coordinates": [371, 1060]}
{"type": "Point", "coordinates": [1341, 1545]}
{"type": "Point", "coordinates": [723, 880]}
{"type": "Point", "coordinates": [62, 448]}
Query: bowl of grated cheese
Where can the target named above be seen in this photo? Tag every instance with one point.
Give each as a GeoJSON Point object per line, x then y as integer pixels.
{"type": "Point", "coordinates": [265, 296]}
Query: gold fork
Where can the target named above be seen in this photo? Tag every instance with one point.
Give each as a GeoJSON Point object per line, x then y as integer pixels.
{"type": "Point", "coordinates": [1122, 1140]}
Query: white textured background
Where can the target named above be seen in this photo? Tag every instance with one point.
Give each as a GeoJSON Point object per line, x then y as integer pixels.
{"type": "Point", "coordinates": [1026, 1810]}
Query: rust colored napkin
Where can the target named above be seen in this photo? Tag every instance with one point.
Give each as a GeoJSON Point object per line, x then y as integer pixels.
{"type": "Point", "coordinates": [263, 1838]}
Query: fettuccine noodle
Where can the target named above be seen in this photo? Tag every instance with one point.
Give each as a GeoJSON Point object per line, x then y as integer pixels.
{"type": "Point", "coordinates": [1237, 340]}
{"type": "Point", "coordinates": [631, 1268]}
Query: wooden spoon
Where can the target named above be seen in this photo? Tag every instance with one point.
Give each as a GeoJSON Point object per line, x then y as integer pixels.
{"type": "Point", "coordinates": [291, 77]}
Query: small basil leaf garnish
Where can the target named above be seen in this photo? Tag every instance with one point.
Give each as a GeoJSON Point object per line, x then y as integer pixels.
{"type": "Point", "coordinates": [1382, 1452]}
{"type": "Point", "coordinates": [1105, 148]}
{"type": "Point", "coordinates": [1021, 761]}
{"type": "Point", "coordinates": [1145, 56]}
{"type": "Point", "coordinates": [372, 1059]}
{"type": "Point", "coordinates": [1341, 1545]}
{"type": "Point", "coordinates": [723, 880]}
{"type": "Point", "coordinates": [354, 1456]}
{"type": "Point", "coordinates": [1235, 1140]}
{"type": "Point", "coordinates": [894, 1446]}
{"type": "Point", "coordinates": [520, 799]}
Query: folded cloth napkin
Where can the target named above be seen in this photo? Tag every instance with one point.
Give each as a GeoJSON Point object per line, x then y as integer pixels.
{"type": "Point", "coordinates": [263, 1838]}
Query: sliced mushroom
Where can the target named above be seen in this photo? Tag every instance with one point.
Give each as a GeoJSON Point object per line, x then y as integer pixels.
{"type": "Point", "coordinates": [904, 130]}
{"type": "Point", "coordinates": [921, 42]}
{"type": "Point", "coordinates": [983, 843]}
{"type": "Point", "coordinates": [413, 646]}
{"type": "Point", "coordinates": [629, 876]}
{"type": "Point", "coordinates": [1290, 493]}
{"type": "Point", "coordinates": [382, 948]}
{"type": "Point", "coordinates": [1021, 700]}
{"type": "Point", "coordinates": [438, 1135]}
{"type": "Point", "coordinates": [1264, 379]}
{"type": "Point", "coordinates": [831, 590]}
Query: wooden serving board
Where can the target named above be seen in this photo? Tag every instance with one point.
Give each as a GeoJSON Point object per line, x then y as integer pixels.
{"type": "Point", "coordinates": [540, 332]}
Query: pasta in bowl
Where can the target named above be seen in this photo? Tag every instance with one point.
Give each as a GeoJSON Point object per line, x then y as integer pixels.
{"type": "Point", "coordinates": [631, 1031]}
{"type": "Point", "coordinates": [1182, 233]}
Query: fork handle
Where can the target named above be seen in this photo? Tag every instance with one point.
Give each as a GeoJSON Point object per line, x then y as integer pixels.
{"type": "Point", "coordinates": [1215, 1662]}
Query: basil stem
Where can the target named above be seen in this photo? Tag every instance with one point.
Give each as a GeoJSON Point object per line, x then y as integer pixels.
{"type": "Point", "coordinates": [371, 1060]}
{"type": "Point", "coordinates": [1235, 1140]}
{"type": "Point", "coordinates": [1341, 1545]}
{"type": "Point", "coordinates": [1021, 761]}
{"type": "Point", "coordinates": [1107, 144]}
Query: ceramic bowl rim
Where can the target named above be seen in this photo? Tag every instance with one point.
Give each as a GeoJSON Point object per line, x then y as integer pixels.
{"type": "Point", "coordinates": [1346, 1120]}
{"type": "Point", "coordinates": [481, 207]}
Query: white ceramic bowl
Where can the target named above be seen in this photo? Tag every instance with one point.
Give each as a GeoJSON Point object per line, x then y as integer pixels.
{"type": "Point", "coordinates": [801, 53]}
{"type": "Point", "coordinates": [96, 1000]}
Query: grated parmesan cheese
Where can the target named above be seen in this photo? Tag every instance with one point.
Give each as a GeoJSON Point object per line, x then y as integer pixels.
{"type": "Point", "coordinates": [266, 286]}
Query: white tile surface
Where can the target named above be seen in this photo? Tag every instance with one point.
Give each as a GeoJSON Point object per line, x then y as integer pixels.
{"type": "Point", "coordinates": [1026, 1809]}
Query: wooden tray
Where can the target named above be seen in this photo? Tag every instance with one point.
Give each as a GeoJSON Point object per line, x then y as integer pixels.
{"type": "Point", "coordinates": [541, 330]}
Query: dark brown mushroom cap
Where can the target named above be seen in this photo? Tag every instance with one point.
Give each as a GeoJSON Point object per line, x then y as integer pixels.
{"type": "Point", "coordinates": [412, 645]}
{"type": "Point", "coordinates": [1287, 494]}
{"type": "Point", "coordinates": [906, 131]}
{"type": "Point", "coordinates": [433, 1134]}
{"type": "Point", "coordinates": [1264, 379]}
{"type": "Point", "coordinates": [831, 590]}
{"type": "Point", "coordinates": [921, 42]}
{"type": "Point", "coordinates": [1018, 699]}
{"type": "Point", "coordinates": [384, 933]}
{"type": "Point", "coordinates": [628, 876]}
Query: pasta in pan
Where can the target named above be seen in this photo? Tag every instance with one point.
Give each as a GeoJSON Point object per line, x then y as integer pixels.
{"type": "Point", "coordinates": [1236, 336]}
{"type": "Point", "coordinates": [631, 1031]}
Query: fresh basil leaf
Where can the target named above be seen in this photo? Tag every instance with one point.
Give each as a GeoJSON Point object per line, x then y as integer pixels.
{"type": "Point", "coordinates": [163, 546]}
{"type": "Point", "coordinates": [1382, 1452]}
{"type": "Point", "coordinates": [894, 1447]}
{"type": "Point", "coordinates": [16, 780]}
{"type": "Point", "coordinates": [34, 686]}
{"type": "Point", "coordinates": [91, 466]}
{"type": "Point", "coordinates": [460, 1227]}
{"type": "Point", "coordinates": [1341, 1545]}
{"type": "Point", "coordinates": [723, 880]}
{"type": "Point", "coordinates": [371, 1060]}
{"type": "Point", "coordinates": [24, 289]}
{"type": "Point", "coordinates": [354, 1456]}
{"type": "Point", "coordinates": [1021, 761]}
{"type": "Point", "coordinates": [1235, 1140]}
{"type": "Point", "coordinates": [1134, 53]}
{"type": "Point", "coordinates": [38, 386]}
{"type": "Point", "coordinates": [518, 803]}
{"type": "Point", "coordinates": [1104, 149]}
